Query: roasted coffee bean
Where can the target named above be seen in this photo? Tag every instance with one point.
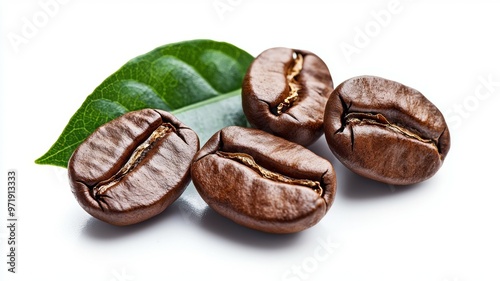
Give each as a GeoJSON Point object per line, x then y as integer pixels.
{"type": "Point", "coordinates": [132, 168]}
{"type": "Point", "coordinates": [386, 131]}
{"type": "Point", "coordinates": [263, 181]}
{"type": "Point", "coordinates": [284, 93]}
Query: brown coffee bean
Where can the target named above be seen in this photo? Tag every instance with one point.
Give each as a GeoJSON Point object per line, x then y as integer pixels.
{"type": "Point", "coordinates": [284, 93]}
{"type": "Point", "coordinates": [132, 168]}
{"type": "Point", "coordinates": [262, 181]}
{"type": "Point", "coordinates": [386, 131]}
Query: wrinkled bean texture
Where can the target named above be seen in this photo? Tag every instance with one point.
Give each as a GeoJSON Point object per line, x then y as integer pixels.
{"type": "Point", "coordinates": [284, 93]}
{"type": "Point", "coordinates": [386, 131]}
{"type": "Point", "coordinates": [131, 168]}
{"type": "Point", "coordinates": [262, 181]}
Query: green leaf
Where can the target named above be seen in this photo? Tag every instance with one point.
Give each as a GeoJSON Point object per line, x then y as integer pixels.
{"type": "Point", "coordinates": [199, 81]}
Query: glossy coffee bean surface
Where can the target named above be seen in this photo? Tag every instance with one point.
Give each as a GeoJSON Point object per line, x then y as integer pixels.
{"type": "Point", "coordinates": [131, 168]}
{"type": "Point", "coordinates": [386, 131]}
{"type": "Point", "coordinates": [284, 93]}
{"type": "Point", "coordinates": [262, 181]}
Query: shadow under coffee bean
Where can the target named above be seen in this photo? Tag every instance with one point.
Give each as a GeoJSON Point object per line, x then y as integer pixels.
{"type": "Point", "coordinates": [131, 168]}
{"type": "Point", "coordinates": [386, 131]}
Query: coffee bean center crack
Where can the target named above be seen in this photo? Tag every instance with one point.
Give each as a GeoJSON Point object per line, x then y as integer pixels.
{"type": "Point", "coordinates": [377, 119]}
{"type": "Point", "coordinates": [293, 84]}
{"type": "Point", "coordinates": [249, 161]}
{"type": "Point", "coordinates": [137, 156]}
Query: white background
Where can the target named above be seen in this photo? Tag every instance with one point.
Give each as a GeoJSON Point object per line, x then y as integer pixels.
{"type": "Point", "coordinates": [444, 229]}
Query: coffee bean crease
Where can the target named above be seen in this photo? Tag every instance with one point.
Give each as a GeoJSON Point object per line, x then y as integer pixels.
{"type": "Point", "coordinates": [250, 162]}
{"type": "Point", "coordinates": [137, 155]}
{"type": "Point", "coordinates": [377, 119]}
{"type": "Point", "coordinates": [293, 84]}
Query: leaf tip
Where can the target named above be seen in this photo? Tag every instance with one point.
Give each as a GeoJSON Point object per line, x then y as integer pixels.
{"type": "Point", "coordinates": [44, 161]}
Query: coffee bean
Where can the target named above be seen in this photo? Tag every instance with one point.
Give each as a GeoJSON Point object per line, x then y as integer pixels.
{"type": "Point", "coordinates": [132, 168]}
{"type": "Point", "coordinates": [262, 181]}
{"type": "Point", "coordinates": [386, 131]}
{"type": "Point", "coordinates": [284, 93]}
